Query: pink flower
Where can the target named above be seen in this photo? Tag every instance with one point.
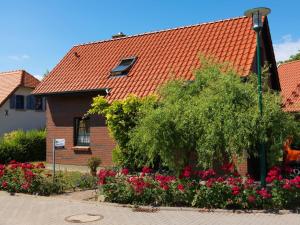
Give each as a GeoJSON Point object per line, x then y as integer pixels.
{"type": "Point", "coordinates": [180, 187]}
{"type": "Point", "coordinates": [125, 171]}
{"type": "Point", "coordinates": [25, 186]}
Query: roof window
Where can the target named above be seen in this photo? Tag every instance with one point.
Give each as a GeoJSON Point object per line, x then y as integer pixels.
{"type": "Point", "coordinates": [123, 67]}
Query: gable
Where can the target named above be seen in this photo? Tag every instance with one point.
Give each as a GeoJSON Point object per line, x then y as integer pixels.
{"type": "Point", "coordinates": [10, 81]}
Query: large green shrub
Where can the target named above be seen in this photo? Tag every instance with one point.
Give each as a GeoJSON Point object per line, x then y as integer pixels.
{"type": "Point", "coordinates": [23, 146]}
{"type": "Point", "coordinates": [214, 117]}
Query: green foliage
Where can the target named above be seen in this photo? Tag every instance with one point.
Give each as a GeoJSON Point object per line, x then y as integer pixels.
{"type": "Point", "coordinates": [216, 116]}
{"type": "Point", "coordinates": [292, 58]}
{"type": "Point", "coordinates": [93, 163]}
{"type": "Point", "coordinates": [121, 117]}
{"type": "Point", "coordinates": [23, 146]}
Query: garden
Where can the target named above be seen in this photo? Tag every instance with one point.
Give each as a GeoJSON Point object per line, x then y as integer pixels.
{"type": "Point", "coordinates": [201, 188]}
{"type": "Point", "coordinates": [181, 147]}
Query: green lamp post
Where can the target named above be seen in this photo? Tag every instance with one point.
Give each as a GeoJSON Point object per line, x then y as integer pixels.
{"type": "Point", "coordinates": [257, 18]}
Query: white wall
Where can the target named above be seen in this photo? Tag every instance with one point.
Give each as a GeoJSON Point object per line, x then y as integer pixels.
{"type": "Point", "coordinates": [20, 119]}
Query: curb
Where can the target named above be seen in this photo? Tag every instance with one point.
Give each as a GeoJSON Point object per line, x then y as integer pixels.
{"type": "Point", "coordinates": [200, 210]}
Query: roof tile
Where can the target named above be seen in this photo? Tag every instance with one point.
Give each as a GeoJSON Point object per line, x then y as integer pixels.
{"type": "Point", "coordinates": [159, 54]}
{"type": "Point", "coordinates": [10, 81]}
{"type": "Point", "coordinates": [289, 77]}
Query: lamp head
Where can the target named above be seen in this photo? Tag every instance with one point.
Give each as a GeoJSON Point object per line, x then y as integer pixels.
{"type": "Point", "coordinates": [257, 14]}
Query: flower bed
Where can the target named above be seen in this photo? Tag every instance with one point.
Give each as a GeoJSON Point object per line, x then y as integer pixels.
{"type": "Point", "coordinates": [35, 179]}
{"type": "Point", "coordinates": [204, 189]}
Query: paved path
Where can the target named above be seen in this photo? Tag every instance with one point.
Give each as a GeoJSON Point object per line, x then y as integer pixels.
{"type": "Point", "coordinates": [31, 210]}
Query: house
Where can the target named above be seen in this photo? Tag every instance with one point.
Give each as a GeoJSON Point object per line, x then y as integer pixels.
{"type": "Point", "coordinates": [19, 109]}
{"type": "Point", "coordinates": [289, 77]}
{"type": "Point", "coordinates": [137, 64]}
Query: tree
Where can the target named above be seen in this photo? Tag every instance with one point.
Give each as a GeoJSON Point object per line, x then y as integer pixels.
{"type": "Point", "coordinates": [292, 58]}
{"type": "Point", "coordinates": [214, 117]}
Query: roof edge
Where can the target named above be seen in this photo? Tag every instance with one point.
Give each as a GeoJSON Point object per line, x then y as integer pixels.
{"type": "Point", "coordinates": [283, 64]}
{"type": "Point", "coordinates": [107, 90]}
{"type": "Point", "coordinates": [158, 31]}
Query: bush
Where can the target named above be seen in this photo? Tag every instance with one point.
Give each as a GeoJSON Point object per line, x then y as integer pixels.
{"type": "Point", "coordinates": [34, 179]}
{"type": "Point", "coordinates": [212, 118]}
{"type": "Point", "coordinates": [202, 189]}
{"type": "Point", "coordinates": [93, 163]}
{"type": "Point", "coordinates": [23, 146]}
{"type": "Point", "coordinates": [121, 117]}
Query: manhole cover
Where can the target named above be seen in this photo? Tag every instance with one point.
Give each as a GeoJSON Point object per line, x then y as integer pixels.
{"type": "Point", "coordinates": [84, 218]}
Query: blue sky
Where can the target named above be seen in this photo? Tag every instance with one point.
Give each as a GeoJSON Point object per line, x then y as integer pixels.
{"type": "Point", "coordinates": [35, 35]}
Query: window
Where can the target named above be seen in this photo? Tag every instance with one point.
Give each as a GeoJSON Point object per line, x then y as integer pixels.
{"type": "Point", "coordinates": [35, 103]}
{"type": "Point", "coordinates": [123, 67]}
{"type": "Point", "coordinates": [19, 102]}
{"type": "Point", "coordinates": [81, 132]}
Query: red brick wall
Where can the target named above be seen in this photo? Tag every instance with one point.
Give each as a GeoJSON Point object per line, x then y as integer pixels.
{"type": "Point", "coordinates": [60, 114]}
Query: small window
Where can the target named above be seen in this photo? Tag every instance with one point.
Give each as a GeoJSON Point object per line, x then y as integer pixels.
{"type": "Point", "coordinates": [38, 103]}
{"type": "Point", "coordinates": [81, 132]}
{"type": "Point", "coordinates": [19, 102]}
{"type": "Point", "coordinates": [35, 103]}
{"type": "Point", "coordinates": [123, 67]}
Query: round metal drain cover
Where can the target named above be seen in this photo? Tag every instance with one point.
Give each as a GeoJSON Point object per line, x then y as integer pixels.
{"type": "Point", "coordinates": [84, 218]}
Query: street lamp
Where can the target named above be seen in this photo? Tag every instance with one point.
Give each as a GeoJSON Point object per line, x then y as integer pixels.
{"type": "Point", "coordinates": [257, 19]}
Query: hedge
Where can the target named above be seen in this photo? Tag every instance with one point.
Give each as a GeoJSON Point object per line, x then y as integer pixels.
{"type": "Point", "coordinates": [23, 146]}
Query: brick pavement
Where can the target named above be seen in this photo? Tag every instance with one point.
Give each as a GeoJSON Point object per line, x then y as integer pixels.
{"type": "Point", "coordinates": [31, 210]}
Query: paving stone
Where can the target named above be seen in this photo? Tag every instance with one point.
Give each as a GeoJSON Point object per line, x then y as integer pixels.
{"type": "Point", "coordinates": [35, 210]}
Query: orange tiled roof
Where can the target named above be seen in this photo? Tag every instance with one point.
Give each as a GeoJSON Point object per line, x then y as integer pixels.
{"type": "Point", "coordinates": [289, 77]}
{"type": "Point", "coordinates": [10, 81]}
{"type": "Point", "coordinates": [161, 55]}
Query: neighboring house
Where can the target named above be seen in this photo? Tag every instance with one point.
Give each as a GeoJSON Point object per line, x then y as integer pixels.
{"type": "Point", "coordinates": [137, 64]}
{"type": "Point", "coordinates": [19, 109]}
{"type": "Point", "coordinates": [289, 77]}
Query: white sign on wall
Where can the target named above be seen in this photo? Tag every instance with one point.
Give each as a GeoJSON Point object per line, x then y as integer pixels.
{"type": "Point", "coordinates": [59, 143]}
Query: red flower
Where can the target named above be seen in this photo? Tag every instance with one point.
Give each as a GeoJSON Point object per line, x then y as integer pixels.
{"type": "Point", "coordinates": [12, 162]}
{"type": "Point", "coordinates": [180, 187]}
{"type": "Point", "coordinates": [2, 167]}
{"type": "Point", "coordinates": [25, 186]}
{"type": "Point", "coordinates": [1, 173]}
{"type": "Point", "coordinates": [165, 187]}
{"type": "Point", "coordinates": [125, 171]}
{"type": "Point", "coordinates": [228, 167]}
{"type": "Point", "coordinates": [146, 170]}
{"type": "Point", "coordinates": [264, 193]}
{"type": "Point", "coordinates": [235, 190]}
{"type": "Point", "coordinates": [4, 184]}
{"type": "Point", "coordinates": [210, 182]}
{"type": "Point", "coordinates": [40, 166]}
{"type": "Point", "coordinates": [251, 198]}
{"type": "Point", "coordinates": [187, 172]}
{"type": "Point", "coordinates": [206, 174]}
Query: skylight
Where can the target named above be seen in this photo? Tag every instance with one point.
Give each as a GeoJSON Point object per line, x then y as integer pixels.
{"type": "Point", "coordinates": [123, 67]}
